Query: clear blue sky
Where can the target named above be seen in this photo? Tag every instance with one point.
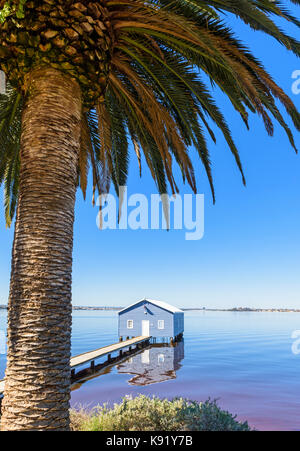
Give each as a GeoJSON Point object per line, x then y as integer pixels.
{"type": "Point", "coordinates": [250, 254]}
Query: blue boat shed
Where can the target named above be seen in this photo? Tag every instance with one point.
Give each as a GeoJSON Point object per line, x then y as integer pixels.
{"type": "Point", "coordinates": [151, 318]}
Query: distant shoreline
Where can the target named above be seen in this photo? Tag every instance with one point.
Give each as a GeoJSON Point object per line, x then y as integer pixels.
{"type": "Point", "coordinates": [238, 309]}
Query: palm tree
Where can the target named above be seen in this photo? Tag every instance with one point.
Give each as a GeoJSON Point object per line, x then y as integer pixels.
{"type": "Point", "coordinates": [84, 77]}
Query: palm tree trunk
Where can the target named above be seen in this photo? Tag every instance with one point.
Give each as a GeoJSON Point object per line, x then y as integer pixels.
{"type": "Point", "coordinates": [37, 380]}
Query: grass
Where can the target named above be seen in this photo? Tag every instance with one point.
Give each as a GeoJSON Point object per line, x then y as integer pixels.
{"type": "Point", "coordinates": [154, 414]}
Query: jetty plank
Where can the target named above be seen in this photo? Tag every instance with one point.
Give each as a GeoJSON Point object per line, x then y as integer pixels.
{"type": "Point", "coordinates": [101, 352]}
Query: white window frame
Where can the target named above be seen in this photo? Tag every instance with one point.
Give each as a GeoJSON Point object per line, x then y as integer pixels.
{"type": "Point", "coordinates": [159, 322]}
{"type": "Point", "coordinates": [130, 324]}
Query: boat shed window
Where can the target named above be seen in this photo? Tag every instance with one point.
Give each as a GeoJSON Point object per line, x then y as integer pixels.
{"type": "Point", "coordinates": [161, 324]}
{"type": "Point", "coordinates": [129, 324]}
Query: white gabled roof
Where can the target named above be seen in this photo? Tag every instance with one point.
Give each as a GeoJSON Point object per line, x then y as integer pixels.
{"type": "Point", "coordinates": [163, 305]}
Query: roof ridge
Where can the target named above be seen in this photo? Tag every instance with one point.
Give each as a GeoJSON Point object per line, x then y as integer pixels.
{"type": "Point", "coordinates": [161, 304]}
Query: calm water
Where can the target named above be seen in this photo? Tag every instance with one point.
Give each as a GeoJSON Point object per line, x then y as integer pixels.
{"type": "Point", "coordinates": [243, 359]}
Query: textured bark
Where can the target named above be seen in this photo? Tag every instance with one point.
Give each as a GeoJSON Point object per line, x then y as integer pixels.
{"type": "Point", "coordinates": [37, 389]}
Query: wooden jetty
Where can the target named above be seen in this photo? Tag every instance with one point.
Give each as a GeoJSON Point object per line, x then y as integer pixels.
{"type": "Point", "coordinates": [90, 357]}
{"type": "Point", "coordinates": [122, 348]}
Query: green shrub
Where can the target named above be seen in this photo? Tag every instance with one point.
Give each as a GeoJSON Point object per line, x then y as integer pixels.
{"type": "Point", "coordinates": [153, 414]}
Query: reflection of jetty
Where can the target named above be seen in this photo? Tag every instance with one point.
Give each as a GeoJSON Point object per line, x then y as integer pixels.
{"type": "Point", "coordinates": [157, 363]}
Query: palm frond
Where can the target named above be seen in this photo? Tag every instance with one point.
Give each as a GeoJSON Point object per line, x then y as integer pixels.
{"type": "Point", "coordinates": [11, 105]}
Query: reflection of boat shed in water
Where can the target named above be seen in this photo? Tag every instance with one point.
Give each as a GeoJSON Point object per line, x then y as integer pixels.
{"type": "Point", "coordinates": [151, 318]}
{"type": "Point", "coordinates": [158, 363]}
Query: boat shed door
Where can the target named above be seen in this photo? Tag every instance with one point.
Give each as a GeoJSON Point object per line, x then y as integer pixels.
{"type": "Point", "coordinates": [145, 328]}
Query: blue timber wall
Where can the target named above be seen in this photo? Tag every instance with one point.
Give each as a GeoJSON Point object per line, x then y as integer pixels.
{"type": "Point", "coordinates": [174, 322]}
